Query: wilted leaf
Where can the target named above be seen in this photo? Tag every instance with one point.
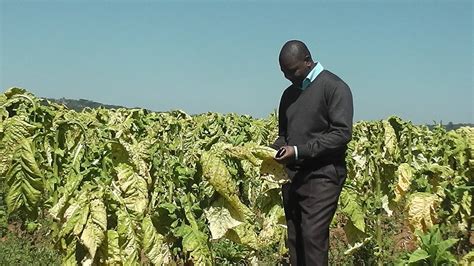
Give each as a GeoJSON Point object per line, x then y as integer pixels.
{"type": "Point", "coordinates": [15, 130]}
{"type": "Point", "coordinates": [24, 179]}
{"type": "Point", "coordinates": [94, 230]}
{"type": "Point", "coordinates": [110, 248]}
{"type": "Point", "coordinates": [244, 234]}
{"type": "Point", "coordinates": [355, 237]}
{"type": "Point", "coordinates": [273, 171]}
{"type": "Point", "coordinates": [422, 210]}
{"type": "Point", "coordinates": [220, 221]}
{"type": "Point", "coordinates": [390, 140]}
{"type": "Point", "coordinates": [133, 189]}
{"type": "Point", "coordinates": [215, 171]}
{"type": "Point", "coordinates": [385, 205]}
{"type": "Point", "coordinates": [405, 176]}
{"type": "Point", "coordinates": [272, 229]}
{"type": "Point", "coordinates": [155, 248]}
{"type": "Point", "coordinates": [128, 238]}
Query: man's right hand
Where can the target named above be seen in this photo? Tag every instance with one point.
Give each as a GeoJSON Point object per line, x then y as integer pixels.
{"type": "Point", "coordinates": [285, 155]}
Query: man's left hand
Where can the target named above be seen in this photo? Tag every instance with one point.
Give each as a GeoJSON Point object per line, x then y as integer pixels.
{"type": "Point", "coordinates": [288, 156]}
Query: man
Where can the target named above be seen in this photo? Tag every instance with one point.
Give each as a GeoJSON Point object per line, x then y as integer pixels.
{"type": "Point", "coordinates": [315, 125]}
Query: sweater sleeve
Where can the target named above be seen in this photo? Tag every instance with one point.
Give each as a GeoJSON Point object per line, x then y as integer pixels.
{"type": "Point", "coordinates": [340, 114]}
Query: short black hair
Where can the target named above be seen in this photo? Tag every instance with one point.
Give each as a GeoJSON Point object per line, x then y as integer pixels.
{"type": "Point", "coordinates": [294, 49]}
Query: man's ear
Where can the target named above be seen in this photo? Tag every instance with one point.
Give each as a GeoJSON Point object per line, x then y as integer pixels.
{"type": "Point", "coordinates": [308, 61]}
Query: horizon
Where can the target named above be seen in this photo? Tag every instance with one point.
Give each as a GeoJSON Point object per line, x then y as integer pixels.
{"type": "Point", "coordinates": [432, 123]}
{"type": "Point", "coordinates": [411, 60]}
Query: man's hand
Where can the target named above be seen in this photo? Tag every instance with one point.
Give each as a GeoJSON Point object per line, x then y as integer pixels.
{"type": "Point", "coordinates": [285, 155]}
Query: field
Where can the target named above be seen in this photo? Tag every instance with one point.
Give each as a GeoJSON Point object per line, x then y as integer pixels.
{"type": "Point", "coordinates": [137, 187]}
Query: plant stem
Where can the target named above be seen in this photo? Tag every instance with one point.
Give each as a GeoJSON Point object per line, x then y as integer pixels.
{"type": "Point", "coordinates": [378, 229]}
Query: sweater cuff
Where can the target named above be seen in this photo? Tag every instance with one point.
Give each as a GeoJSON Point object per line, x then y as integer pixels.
{"type": "Point", "coordinates": [303, 151]}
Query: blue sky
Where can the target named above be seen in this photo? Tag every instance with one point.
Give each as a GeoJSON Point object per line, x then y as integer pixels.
{"type": "Point", "coordinates": [413, 59]}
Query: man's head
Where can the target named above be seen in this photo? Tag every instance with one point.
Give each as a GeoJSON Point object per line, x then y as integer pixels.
{"type": "Point", "coordinates": [295, 61]}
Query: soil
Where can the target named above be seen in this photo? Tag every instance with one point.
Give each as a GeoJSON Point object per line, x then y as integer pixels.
{"type": "Point", "coordinates": [405, 240]}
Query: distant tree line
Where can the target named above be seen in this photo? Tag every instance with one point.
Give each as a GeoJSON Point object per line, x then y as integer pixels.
{"type": "Point", "coordinates": [79, 105]}
{"type": "Point", "coordinates": [451, 126]}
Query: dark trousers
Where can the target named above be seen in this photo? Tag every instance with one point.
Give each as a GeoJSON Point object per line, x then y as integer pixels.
{"type": "Point", "coordinates": [310, 203]}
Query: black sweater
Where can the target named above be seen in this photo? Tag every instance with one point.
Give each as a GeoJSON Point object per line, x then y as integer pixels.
{"type": "Point", "coordinates": [318, 120]}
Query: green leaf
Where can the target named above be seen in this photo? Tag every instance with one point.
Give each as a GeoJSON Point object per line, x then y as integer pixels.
{"type": "Point", "coordinates": [133, 189]}
{"type": "Point", "coordinates": [244, 234]}
{"type": "Point", "coordinates": [216, 172]}
{"type": "Point", "coordinates": [350, 207]}
{"type": "Point", "coordinates": [468, 259]}
{"type": "Point", "coordinates": [446, 244]}
{"type": "Point", "coordinates": [72, 184]}
{"type": "Point", "coordinates": [14, 129]}
{"type": "Point", "coordinates": [69, 259]}
{"type": "Point", "coordinates": [95, 228]}
{"type": "Point", "coordinates": [128, 238]}
{"type": "Point", "coordinates": [14, 91]}
{"type": "Point", "coordinates": [76, 214]}
{"type": "Point", "coordinates": [155, 248]}
{"type": "Point", "coordinates": [110, 249]}
{"type": "Point", "coordinates": [418, 255]}
{"type": "Point", "coordinates": [196, 243]}
{"type": "Point", "coordinates": [24, 179]}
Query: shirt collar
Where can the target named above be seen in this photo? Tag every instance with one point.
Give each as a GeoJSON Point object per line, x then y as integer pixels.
{"type": "Point", "coordinates": [317, 69]}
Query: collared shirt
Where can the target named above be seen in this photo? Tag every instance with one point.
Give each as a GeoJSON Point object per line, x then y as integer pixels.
{"type": "Point", "coordinates": [317, 69]}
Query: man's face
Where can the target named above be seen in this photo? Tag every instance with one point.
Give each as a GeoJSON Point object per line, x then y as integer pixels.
{"type": "Point", "coordinates": [295, 70]}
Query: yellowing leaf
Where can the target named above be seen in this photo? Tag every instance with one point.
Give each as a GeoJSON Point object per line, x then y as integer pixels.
{"type": "Point", "coordinates": [195, 242]}
{"type": "Point", "coordinates": [244, 234]}
{"type": "Point", "coordinates": [390, 139]}
{"type": "Point", "coordinates": [24, 179]}
{"type": "Point", "coordinates": [220, 221]}
{"type": "Point", "coordinates": [263, 152]}
{"type": "Point", "coordinates": [272, 229]}
{"type": "Point", "coordinates": [133, 189]}
{"type": "Point", "coordinates": [468, 259]}
{"type": "Point", "coordinates": [76, 216]}
{"type": "Point", "coordinates": [94, 231]}
{"type": "Point", "coordinates": [70, 258]}
{"type": "Point", "coordinates": [110, 249]}
{"type": "Point", "coordinates": [385, 205]}
{"type": "Point", "coordinates": [405, 176]}
{"type": "Point", "coordinates": [72, 183]}
{"type": "Point", "coordinates": [155, 248]}
{"type": "Point", "coordinates": [128, 238]}
{"type": "Point", "coordinates": [262, 157]}
{"type": "Point", "coordinates": [215, 171]}
{"type": "Point", "coordinates": [14, 130]}
{"type": "Point", "coordinates": [273, 171]}
{"type": "Point", "coordinates": [422, 210]}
